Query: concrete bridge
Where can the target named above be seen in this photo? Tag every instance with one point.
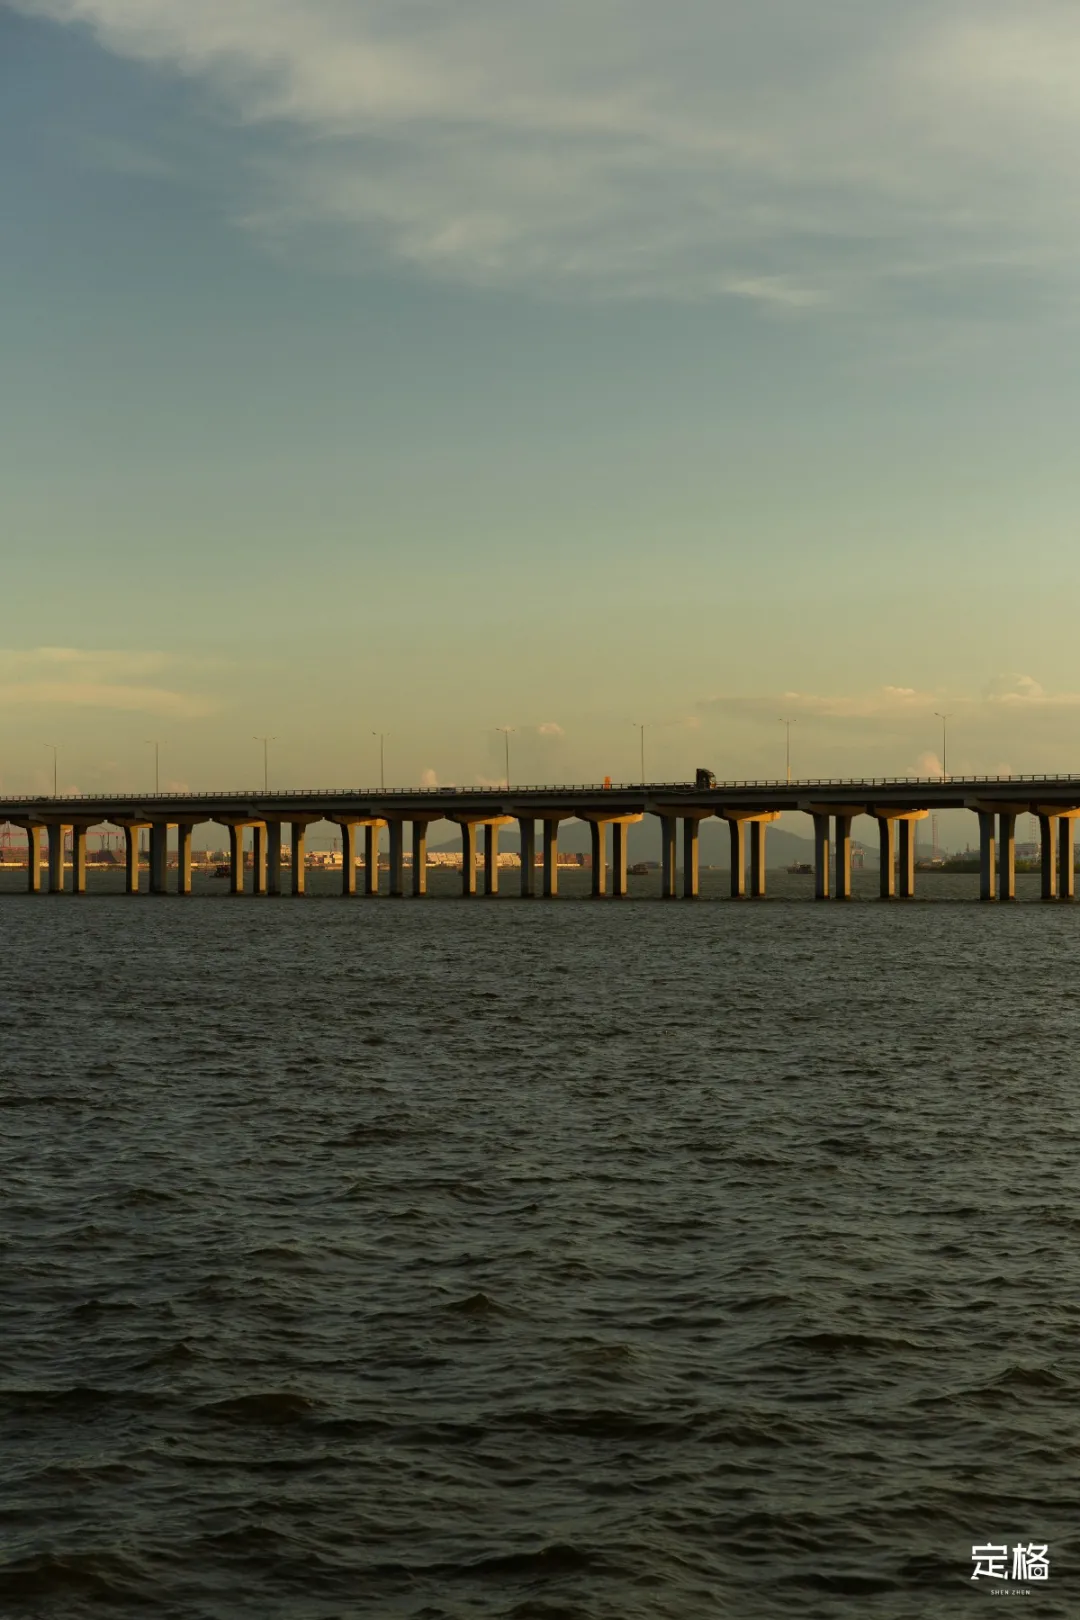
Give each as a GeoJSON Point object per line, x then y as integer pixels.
{"type": "Point", "coordinates": [896, 803]}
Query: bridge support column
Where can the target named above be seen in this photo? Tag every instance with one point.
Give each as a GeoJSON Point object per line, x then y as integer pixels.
{"type": "Point", "coordinates": [669, 844]}
{"type": "Point", "coordinates": [273, 857]}
{"type": "Point", "coordinates": [1006, 856]}
{"type": "Point", "coordinates": [78, 860]}
{"type": "Point", "coordinates": [821, 856]}
{"type": "Point", "coordinates": [737, 845]}
{"type": "Point", "coordinates": [1048, 826]}
{"type": "Point", "coordinates": [987, 856]}
{"type": "Point", "coordinates": [159, 852]}
{"type": "Point", "coordinates": [131, 859]}
{"type": "Point", "coordinates": [183, 857]}
{"type": "Point", "coordinates": [691, 858]}
{"type": "Point", "coordinates": [56, 859]}
{"type": "Point", "coordinates": [887, 857]}
{"type": "Point", "coordinates": [758, 831]}
{"type": "Point", "coordinates": [491, 858]}
{"type": "Point", "coordinates": [348, 859]}
{"type": "Point", "coordinates": [843, 857]}
{"type": "Point", "coordinates": [419, 858]}
{"type": "Point", "coordinates": [907, 859]}
{"type": "Point", "coordinates": [258, 858]}
{"type": "Point", "coordinates": [236, 860]}
{"type": "Point", "coordinates": [468, 859]}
{"type": "Point", "coordinates": [371, 858]}
{"type": "Point", "coordinates": [1065, 858]}
{"type": "Point", "coordinates": [397, 858]}
{"type": "Point", "coordinates": [527, 839]}
{"type": "Point", "coordinates": [299, 857]}
{"type": "Point", "coordinates": [33, 859]}
{"type": "Point", "coordinates": [620, 832]}
{"type": "Point", "coordinates": [551, 859]}
{"type": "Point", "coordinates": [598, 834]}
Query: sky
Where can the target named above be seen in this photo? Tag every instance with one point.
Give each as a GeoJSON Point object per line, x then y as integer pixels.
{"type": "Point", "coordinates": [570, 367]}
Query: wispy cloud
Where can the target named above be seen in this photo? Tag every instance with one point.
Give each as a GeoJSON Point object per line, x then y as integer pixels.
{"type": "Point", "coordinates": [790, 155]}
{"type": "Point", "coordinates": [71, 677]}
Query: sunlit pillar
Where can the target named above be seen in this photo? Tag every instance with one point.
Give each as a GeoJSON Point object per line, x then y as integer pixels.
{"type": "Point", "coordinates": [371, 858]}
{"type": "Point", "coordinates": [33, 856]}
{"type": "Point", "coordinates": [821, 857]}
{"type": "Point", "coordinates": [468, 859]}
{"type": "Point", "coordinates": [669, 855]}
{"type": "Point", "coordinates": [348, 859]}
{"type": "Point", "coordinates": [159, 852]}
{"type": "Point", "coordinates": [758, 831]}
{"type": "Point", "coordinates": [691, 828]}
{"type": "Point", "coordinates": [273, 857]}
{"type": "Point", "coordinates": [131, 859]}
{"type": "Point", "coordinates": [1065, 858]}
{"type": "Point", "coordinates": [1048, 826]}
{"type": "Point", "coordinates": [527, 839]}
{"type": "Point", "coordinates": [491, 858]}
{"type": "Point", "coordinates": [551, 858]}
{"type": "Point", "coordinates": [620, 832]}
{"type": "Point", "coordinates": [183, 858]}
{"type": "Point", "coordinates": [886, 857]}
{"type": "Point", "coordinates": [1006, 856]}
{"type": "Point", "coordinates": [907, 858]}
{"type": "Point", "coordinates": [987, 856]}
{"type": "Point", "coordinates": [737, 839]}
{"type": "Point", "coordinates": [397, 858]}
{"type": "Point", "coordinates": [299, 857]}
{"type": "Point", "coordinates": [236, 860]}
{"type": "Point", "coordinates": [258, 858]}
{"type": "Point", "coordinates": [78, 860]}
{"type": "Point", "coordinates": [843, 857]}
{"type": "Point", "coordinates": [419, 858]}
{"type": "Point", "coordinates": [598, 835]}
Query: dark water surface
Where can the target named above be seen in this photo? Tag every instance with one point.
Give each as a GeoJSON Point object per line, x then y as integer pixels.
{"type": "Point", "coordinates": [549, 1261]}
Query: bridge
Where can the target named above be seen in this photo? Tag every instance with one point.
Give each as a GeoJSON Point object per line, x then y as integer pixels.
{"type": "Point", "coordinates": [896, 803]}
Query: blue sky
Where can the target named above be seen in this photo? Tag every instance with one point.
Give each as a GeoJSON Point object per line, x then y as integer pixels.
{"type": "Point", "coordinates": [434, 367]}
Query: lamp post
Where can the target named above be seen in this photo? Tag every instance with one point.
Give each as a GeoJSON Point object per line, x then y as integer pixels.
{"type": "Point", "coordinates": [266, 741]}
{"type": "Point", "coordinates": [506, 731]}
{"type": "Point", "coordinates": [787, 725]}
{"type": "Point", "coordinates": [53, 747]}
{"type": "Point", "coordinates": [382, 736]}
{"type": "Point", "coordinates": [152, 742]}
{"type": "Point", "coordinates": [944, 718]}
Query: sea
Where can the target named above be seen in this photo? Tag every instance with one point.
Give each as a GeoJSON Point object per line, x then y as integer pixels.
{"type": "Point", "coordinates": [540, 1260]}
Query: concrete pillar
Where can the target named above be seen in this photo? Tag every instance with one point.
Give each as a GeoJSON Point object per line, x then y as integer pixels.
{"type": "Point", "coordinates": [1006, 856]}
{"type": "Point", "coordinates": [371, 858]}
{"type": "Point", "coordinates": [33, 857]}
{"type": "Point", "coordinates": [56, 859]}
{"type": "Point", "coordinates": [598, 835]}
{"type": "Point", "coordinates": [131, 859]}
{"type": "Point", "coordinates": [468, 859]}
{"type": "Point", "coordinates": [258, 858]}
{"type": "Point", "coordinates": [821, 857]}
{"type": "Point", "coordinates": [183, 858]}
{"type": "Point", "coordinates": [669, 855]}
{"type": "Point", "coordinates": [620, 832]}
{"type": "Point", "coordinates": [299, 857]}
{"type": "Point", "coordinates": [397, 858]}
{"type": "Point", "coordinates": [419, 858]}
{"type": "Point", "coordinates": [690, 872]}
{"type": "Point", "coordinates": [348, 859]}
{"type": "Point", "coordinates": [527, 832]}
{"type": "Point", "coordinates": [273, 857]}
{"type": "Point", "coordinates": [886, 857]}
{"type": "Point", "coordinates": [907, 859]}
{"type": "Point", "coordinates": [491, 859]}
{"type": "Point", "coordinates": [159, 850]}
{"type": "Point", "coordinates": [1048, 841]}
{"type": "Point", "coordinates": [987, 856]}
{"type": "Point", "coordinates": [78, 860]}
{"type": "Point", "coordinates": [1065, 858]}
{"type": "Point", "coordinates": [758, 830]}
{"type": "Point", "coordinates": [843, 857]}
{"type": "Point", "coordinates": [737, 840]}
{"type": "Point", "coordinates": [236, 860]}
{"type": "Point", "coordinates": [551, 858]}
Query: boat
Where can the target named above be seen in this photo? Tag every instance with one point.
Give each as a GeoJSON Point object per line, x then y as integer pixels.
{"type": "Point", "coordinates": [223, 869]}
{"type": "Point", "coordinates": [800, 869]}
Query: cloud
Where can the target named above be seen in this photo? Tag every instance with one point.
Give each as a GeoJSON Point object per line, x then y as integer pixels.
{"type": "Point", "coordinates": [76, 678]}
{"type": "Point", "coordinates": [787, 155]}
{"type": "Point", "coordinates": [551, 728]}
{"type": "Point", "coordinates": [897, 703]}
{"type": "Point", "coordinates": [428, 778]}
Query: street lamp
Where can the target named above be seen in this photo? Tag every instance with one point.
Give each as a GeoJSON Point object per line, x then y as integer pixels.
{"type": "Point", "coordinates": [382, 736]}
{"type": "Point", "coordinates": [266, 741]}
{"type": "Point", "coordinates": [944, 718]}
{"type": "Point", "coordinates": [506, 731]}
{"type": "Point", "coordinates": [152, 742]}
{"type": "Point", "coordinates": [787, 725]}
{"type": "Point", "coordinates": [55, 794]}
